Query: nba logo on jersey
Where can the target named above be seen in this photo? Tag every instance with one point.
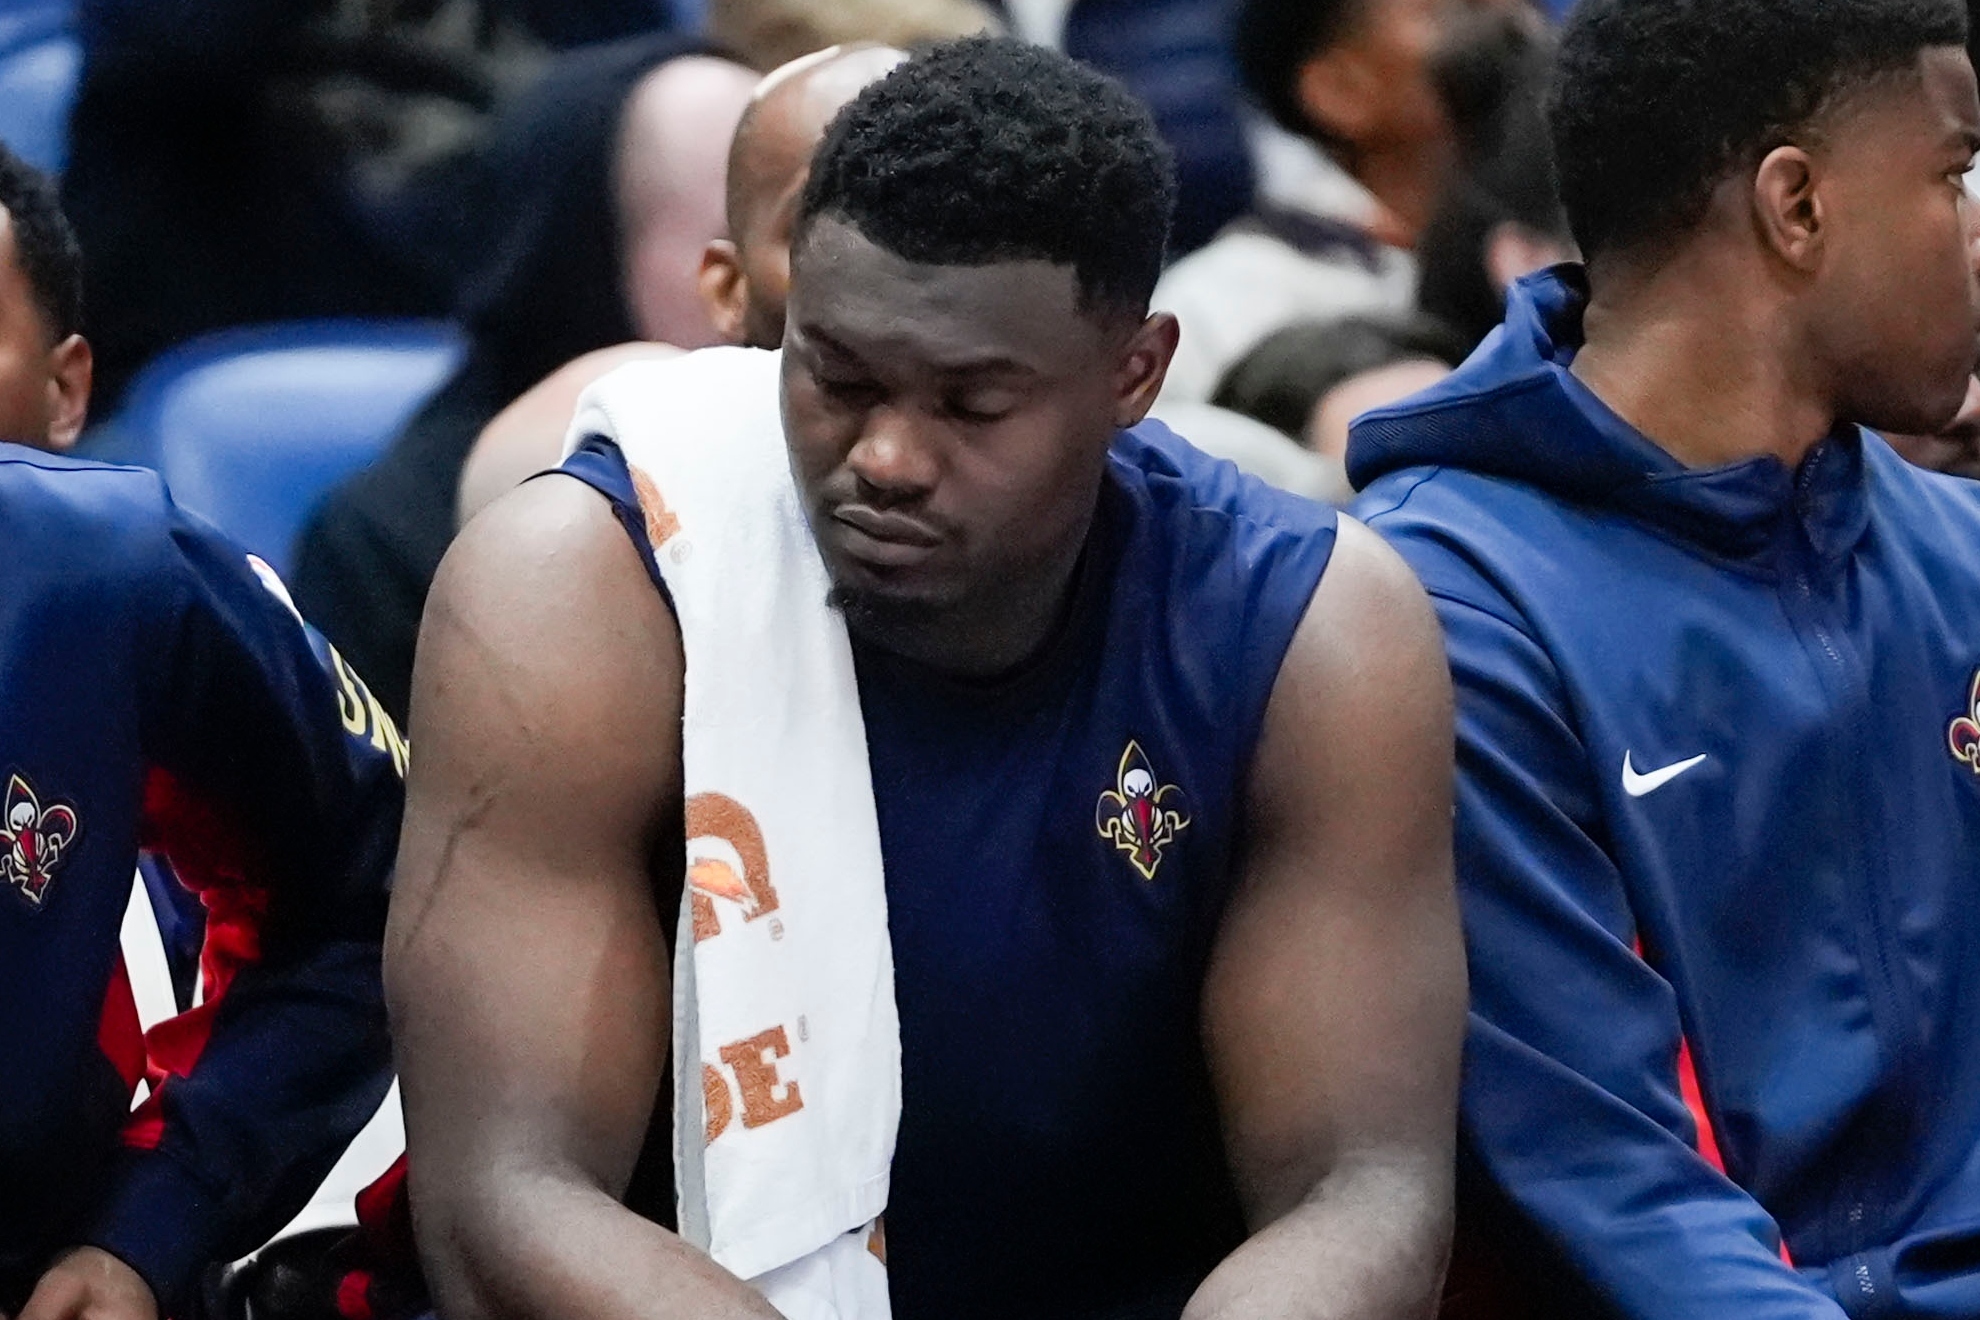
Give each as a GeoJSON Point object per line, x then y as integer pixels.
{"type": "Point", "coordinates": [1140, 814]}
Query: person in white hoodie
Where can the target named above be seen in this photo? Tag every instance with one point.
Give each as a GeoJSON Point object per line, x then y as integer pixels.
{"type": "Point", "coordinates": [1361, 147]}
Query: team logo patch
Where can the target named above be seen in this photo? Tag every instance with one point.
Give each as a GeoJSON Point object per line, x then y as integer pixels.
{"type": "Point", "coordinates": [37, 840]}
{"type": "Point", "coordinates": [1964, 735]}
{"type": "Point", "coordinates": [1140, 814]}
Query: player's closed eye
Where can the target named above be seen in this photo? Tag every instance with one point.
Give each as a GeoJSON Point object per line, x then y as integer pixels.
{"type": "Point", "coordinates": [851, 393]}
{"type": "Point", "coordinates": [978, 412]}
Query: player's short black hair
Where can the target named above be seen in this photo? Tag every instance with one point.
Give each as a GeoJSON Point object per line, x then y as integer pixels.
{"type": "Point", "coordinates": [1655, 101]}
{"type": "Point", "coordinates": [988, 149]}
{"type": "Point", "coordinates": [44, 245]}
{"type": "Point", "coordinates": [1273, 38]}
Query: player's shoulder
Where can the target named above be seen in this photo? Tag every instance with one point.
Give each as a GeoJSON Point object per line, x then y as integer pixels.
{"type": "Point", "coordinates": [556, 551]}
{"type": "Point", "coordinates": [1216, 570]}
{"type": "Point", "coordinates": [543, 637]}
{"type": "Point", "coordinates": [1934, 504]}
{"type": "Point", "coordinates": [1173, 475]}
{"type": "Point", "coordinates": [1227, 545]}
{"type": "Point", "coordinates": [1479, 539]}
{"type": "Point", "coordinates": [1438, 499]}
{"type": "Point", "coordinates": [85, 517]}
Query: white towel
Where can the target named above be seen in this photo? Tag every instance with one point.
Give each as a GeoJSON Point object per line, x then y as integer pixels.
{"type": "Point", "coordinates": [786, 1041]}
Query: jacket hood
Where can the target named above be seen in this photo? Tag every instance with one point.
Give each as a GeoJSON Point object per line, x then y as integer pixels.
{"type": "Point", "coordinates": [1514, 410]}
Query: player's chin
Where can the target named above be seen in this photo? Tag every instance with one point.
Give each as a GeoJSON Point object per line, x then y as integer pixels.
{"type": "Point", "coordinates": [877, 601]}
{"type": "Point", "coordinates": [1920, 403]}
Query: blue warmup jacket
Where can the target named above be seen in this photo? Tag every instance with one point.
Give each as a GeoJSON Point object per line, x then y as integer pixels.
{"type": "Point", "coordinates": [160, 694]}
{"type": "Point", "coordinates": [1719, 783]}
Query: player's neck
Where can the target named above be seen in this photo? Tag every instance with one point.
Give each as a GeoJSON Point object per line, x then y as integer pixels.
{"type": "Point", "coordinates": [1706, 378]}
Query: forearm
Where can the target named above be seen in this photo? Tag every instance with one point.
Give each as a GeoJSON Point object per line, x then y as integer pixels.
{"type": "Point", "coordinates": [543, 1245]}
{"type": "Point", "coordinates": [266, 1085]}
{"type": "Point", "coordinates": [1370, 1243]}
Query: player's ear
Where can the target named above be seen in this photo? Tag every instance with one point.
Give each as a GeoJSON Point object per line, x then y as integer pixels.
{"type": "Point", "coordinates": [1787, 206]}
{"type": "Point", "coordinates": [71, 368]}
{"type": "Point", "coordinates": [1143, 365]}
{"type": "Point", "coordinates": [725, 290]}
{"type": "Point", "coordinates": [1338, 92]}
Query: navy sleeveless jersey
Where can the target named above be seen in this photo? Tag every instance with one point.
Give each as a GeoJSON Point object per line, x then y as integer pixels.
{"type": "Point", "coordinates": [1059, 847]}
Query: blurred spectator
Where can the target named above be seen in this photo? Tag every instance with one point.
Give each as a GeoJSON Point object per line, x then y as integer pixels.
{"type": "Point", "coordinates": [771, 33]}
{"type": "Point", "coordinates": [44, 360]}
{"type": "Point", "coordinates": [1270, 455]}
{"type": "Point", "coordinates": [617, 160]}
{"type": "Point", "coordinates": [1304, 373]}
{"type": "Point", "coordinates": [744, 277]}
{"type": "Point", "coordinates": [1501, 216]}
{"type": "Point", "coordinates": [1956, 449]}
{"type": "Point", "coordinates": [251, 160]}
{"type": "Point", "coordinates": [1176, 56]}
{"type": "Point", "coordinates": [1354, 78]}
{"type": "Point", "coordinates": [1377, 387]}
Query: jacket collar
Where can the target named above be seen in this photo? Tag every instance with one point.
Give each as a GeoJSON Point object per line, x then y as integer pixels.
{"type": "Point", "coordinates": [1515, 410]}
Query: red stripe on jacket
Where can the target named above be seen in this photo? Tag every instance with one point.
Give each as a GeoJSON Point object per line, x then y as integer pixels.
{"type": "Point", "coordinates": [213, 858]}
{"type": "Point", "coordinates": [119, 1033]}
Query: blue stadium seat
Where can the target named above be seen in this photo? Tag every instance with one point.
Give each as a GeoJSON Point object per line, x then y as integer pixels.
{"type": "Point", "coordinates": [19, 16]}
{"type": "Point", "coordinates": [40, 63]}
{"type": "Point", "coordinates": [252, 427]}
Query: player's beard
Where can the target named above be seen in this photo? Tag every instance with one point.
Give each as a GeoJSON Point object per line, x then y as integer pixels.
{"type": "Point", "coordinates": [885, 620]}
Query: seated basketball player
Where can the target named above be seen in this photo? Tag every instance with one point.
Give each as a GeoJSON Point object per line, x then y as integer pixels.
{"type": "Point", "coordinates": [1714, 647]}
{"type": "Point", "coordinates": [1197, 1059]}
{"type": "Point", "coordinates": [159, 692]}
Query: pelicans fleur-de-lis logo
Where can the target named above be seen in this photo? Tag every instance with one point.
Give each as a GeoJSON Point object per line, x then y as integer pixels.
{"type": "Point", "coordinates": [36, 839]}
{"type": "Point", "coordinates": [1140, 814]}
{"type": "Point", "coordinates": [1964, 735]}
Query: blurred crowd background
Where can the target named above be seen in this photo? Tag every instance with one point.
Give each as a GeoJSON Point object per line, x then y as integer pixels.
{"type": "Point", "coordinates": [325, 242]}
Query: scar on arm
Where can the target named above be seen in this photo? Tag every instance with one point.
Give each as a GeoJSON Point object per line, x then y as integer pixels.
{"type": "Point", "coordinates": [481, 801]}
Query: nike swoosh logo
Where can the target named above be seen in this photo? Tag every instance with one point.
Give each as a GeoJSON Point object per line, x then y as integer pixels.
{"type": "Point", "coordinates": [1637, 785]}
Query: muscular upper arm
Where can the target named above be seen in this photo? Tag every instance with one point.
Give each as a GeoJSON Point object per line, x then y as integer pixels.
{"type": "Point", "coordinates": [526, 963]}
{"type": "Point", "coordinates": [1334, 1009]}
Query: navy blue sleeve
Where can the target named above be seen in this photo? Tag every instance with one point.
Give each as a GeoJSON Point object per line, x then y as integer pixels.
{"type": "Point", "coordinates": [275, 790]}
{"type": "Point", "coordinates": [1571, 1094]}
{"type": "Point", "coordinates": [601, 465]}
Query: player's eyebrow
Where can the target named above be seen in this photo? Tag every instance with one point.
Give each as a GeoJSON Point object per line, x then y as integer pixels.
{"type": "Point", "coordinates": [990, 364]}
{"type": "Point", "coordinates": [821, 339]}
{"type": "Point", "coordinates": [993, 363]}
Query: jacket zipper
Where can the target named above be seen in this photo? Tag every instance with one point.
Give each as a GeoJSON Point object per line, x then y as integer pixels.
{"type": "Point", "coordinates": [1886, 1014]}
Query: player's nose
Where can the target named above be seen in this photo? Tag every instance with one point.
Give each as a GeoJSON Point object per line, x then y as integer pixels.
{"type": "Point", "coordinates": [894, 455]}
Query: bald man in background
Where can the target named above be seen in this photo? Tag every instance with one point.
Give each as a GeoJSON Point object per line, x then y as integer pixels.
{"type": "Point", "coordinates": [744, 278]}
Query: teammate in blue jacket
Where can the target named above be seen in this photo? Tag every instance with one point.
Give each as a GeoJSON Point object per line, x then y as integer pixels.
{"type": "Point", "coordinates": [157, 691]}
{"type": "Point", "coordinates": [1716, 651]}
